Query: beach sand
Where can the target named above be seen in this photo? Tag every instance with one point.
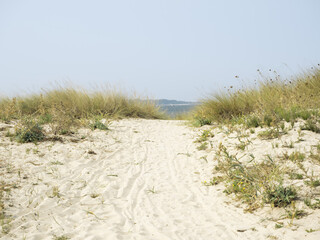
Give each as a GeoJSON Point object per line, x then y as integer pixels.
{"type": "Point", "coordinates": [142, 179]}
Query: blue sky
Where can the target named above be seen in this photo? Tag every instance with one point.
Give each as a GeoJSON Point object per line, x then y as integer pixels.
{"type": "Point", "coordinates": [175, 49]}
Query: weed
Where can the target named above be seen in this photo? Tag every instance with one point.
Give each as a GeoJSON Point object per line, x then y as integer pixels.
{"type": "Point", "coordinates": [44, 119]}
{"type": "Point", "coordinates": [203, 146]}
{"type": "Point", "coordinates": [315, 157]}
{"type": "Point", "coordinates": [200, 120]}
{"type": "Point", "coordinates": [62, 237]}
{"type": "Point", "coordinates": [55, 192]}
{"type": "Point", "coordinates": [94, 195]}
{"type": "Point", "coordinates": [204, 136]}
{"type": "Point", "coordinates": [295, 213]}
{"type": "Point", "coordinates": [288, 145]}
{"type": "Point", "coordinates": [311, 125]}
{"type": "Point", "coordinates": [280, 196]}
{"type": "Point", "coordinates": [253, 121]}
{"type": "Point", "coordinates": [272, 237]}
{"type": "Point", "coordinates": [29, 131]}
{"type": "Point", "coordinates": [152, 190]}
{"type": "Point", "coordinates": [313, 204]}
{"type": "Point", "coordinates": [98, 125]}
{"type": "Point", "coordinates": [213, 181]}
{"type": "Point", "coordinates": [242, 145]}
{"type": "Point", "coordinates": [249, 182]}
{"type": "Point", "coordinates": [270, 133]}
{"type": "Point", "coordinates": [204, 158]}
{"type": "Point", "coordinates": [56, 163]}
{"type": "Point", "coordinates": [313, 183]}
{"type": "Point", "coordinates": [267, 120]}
{"type": "Point", "coordinates": [294, 157]}
{"type": "Point", "coordinates": [186, 154]}
{"type": "Point", "coordinates": [293, 175]}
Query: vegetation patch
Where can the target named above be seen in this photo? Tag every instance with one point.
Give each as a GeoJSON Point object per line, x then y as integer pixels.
{"type": "Point", "coordinates": [280, 196]}
{"type": "Point", "coordinates": [97, 124]}
{"type": "Point", "coordinates": [311, 125]}
{"type": "Point", "coordinates": [273, 100]}
{"type": "Point", "coordinates": [254, 183]}
{"type": "Point", "coordinates": [270, 133]}
{"type": "Point", "coordinates": [65, 108]}
{"type": "Point", "coordinates": [29, 131]}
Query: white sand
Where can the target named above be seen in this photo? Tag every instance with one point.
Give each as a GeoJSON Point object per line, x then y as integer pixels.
{"type": "Point", "coordinates": [144, 182]}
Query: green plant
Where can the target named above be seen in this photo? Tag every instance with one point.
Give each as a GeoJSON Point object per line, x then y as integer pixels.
{"type": "Point", "coordinates": [294, 175]}
{"type": "Point", "coordinates": [312, 203]}
{"type": "Point", "coordinates": [249, 181]}
{"type": "Point", "coordinates": [280, 196]}
{"type": "Point", "coordinates": [294, 157]}
{"type": "Point", "coordinates": [268, 134]}
{"type": "Point", "coordinates": [253, 121]}
{"type": "Point", "coordinates": [288, 145]}
{"type": "Point", "coordinates": [152, 190]}
{"type": "Point", "coordinates": [29, 131]}
{"type": "Point", "coordinates": [204, 136]}
{"type": "Point", "coordinates": [213, 181]}
{"type": "Point", "coordinates": [295, 213]}
{"type": "Point", "coordinates": [315, 157]}
{"type": "Point", "coordinates": [45, 118]}
{"type": "Point", "coordinates": [267, 120]}
{"type": "Point", "coordinates": [242, 145]}
{"type": "Point", "coordinates": [310, 230]}
{"type": "Point", "coordinates": [311, 125]}
{"type": "Point", "coordinates": [55, 192]}
{"type": "Point", "coordinates": [62, 237]}
{"type": "Point", "coordinates": [313, 182]}
{"type": "Point", "coordinates": [203, 146]}
{"type": "Point", "coordinates": [278, 225]}
{"type": "Point", "coordinates": [200, 120]}
{"type": "Point", "coordinates": [98, 125]}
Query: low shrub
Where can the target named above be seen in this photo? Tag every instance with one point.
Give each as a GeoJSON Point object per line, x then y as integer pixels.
{"type": "Point", "coordinates": [280, 196]}
{"type": "Point", "coordinates": [29, 131]}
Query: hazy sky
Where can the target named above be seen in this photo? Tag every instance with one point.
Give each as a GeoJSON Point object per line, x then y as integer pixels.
{"type": "Point", "coordinates": [175, 49]}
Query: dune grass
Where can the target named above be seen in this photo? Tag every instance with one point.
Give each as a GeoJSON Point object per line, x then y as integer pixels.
{"type": "Point", "coordinates": [77, 103]}
{"type": "Point", "coordinates": [65, 109]}
{"type": "Point", "coordinates": [273, 100]}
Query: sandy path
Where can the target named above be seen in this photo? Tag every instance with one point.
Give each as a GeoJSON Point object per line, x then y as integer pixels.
{"type": "Point", "coordinates": [143, 182]}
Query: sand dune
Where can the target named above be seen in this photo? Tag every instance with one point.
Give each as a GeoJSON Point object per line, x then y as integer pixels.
{"type": "Point", "coordinates": [140, 180]}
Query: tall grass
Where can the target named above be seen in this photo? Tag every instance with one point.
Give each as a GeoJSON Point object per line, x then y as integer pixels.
{"type": "Point", "coordinates": [77, 104]}
{"type": "Point", "coordinates": [273, 98]}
